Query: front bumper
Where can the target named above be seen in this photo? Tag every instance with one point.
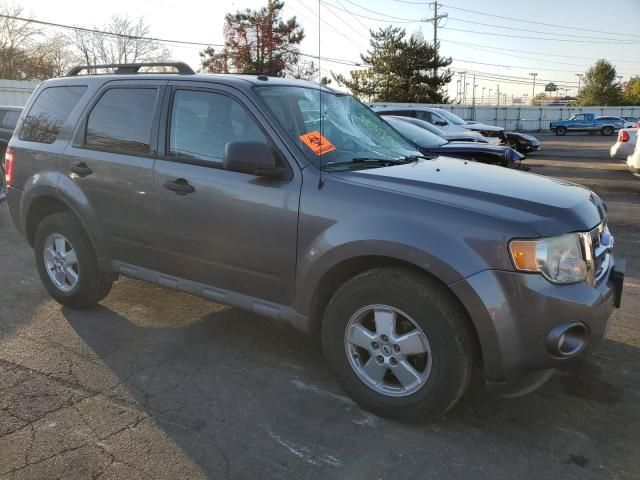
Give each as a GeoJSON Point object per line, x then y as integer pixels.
{"type": "Point", "coordinates": [514, 313]}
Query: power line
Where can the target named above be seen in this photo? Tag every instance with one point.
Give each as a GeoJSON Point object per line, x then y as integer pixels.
{"type": "Point", "coordinates": [353, 16]}
{"type": "Point", "coordinates": [616, 40]}
{"type": "Point", "coordinates": [156, 39]}
{"type": "Point", "coordinates": [370, 18]}
{"type": "Point", "coordinates": [540, 38]}
{"type": "Point", "coordinates": [499, 49]}
{"type": "Point", "coordinates": [537, 23]}
{"type": "Point", "coordinates": [382, 13]}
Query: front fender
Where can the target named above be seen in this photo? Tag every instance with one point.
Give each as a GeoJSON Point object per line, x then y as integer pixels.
{"type": "Point", "coordinates": [448, 256]}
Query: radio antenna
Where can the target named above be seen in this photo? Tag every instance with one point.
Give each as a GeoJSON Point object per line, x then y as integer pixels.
{"type": "Point", "coordinates": [320, 181]}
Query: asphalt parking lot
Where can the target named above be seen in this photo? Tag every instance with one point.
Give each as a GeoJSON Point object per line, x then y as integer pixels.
{"type": "Point", "coordinates": [157, 384]}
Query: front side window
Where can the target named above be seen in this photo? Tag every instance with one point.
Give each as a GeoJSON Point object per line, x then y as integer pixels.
{"type": "Point", "coordinates": [342, 132]}
{"type": "Point", "coordinates": [417, 135]}
{"type": "Point", "coordinates": [425, 116]}
{"type": "Point", "coordinates": [122, 120]}
{"type": "Point", "coordinates": [202, 123]}
{"type": "Point", "coordinates": [49, 112]}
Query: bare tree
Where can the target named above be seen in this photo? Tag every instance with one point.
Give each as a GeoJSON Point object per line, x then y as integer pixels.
{"type": "Point", "coordinates": [16, 39]}
{"type": "Point", "coordinates": [120, 41]}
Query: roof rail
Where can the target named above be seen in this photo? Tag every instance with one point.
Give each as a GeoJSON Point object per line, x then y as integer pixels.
{"type": "Point", "coordinates": [130, 68]}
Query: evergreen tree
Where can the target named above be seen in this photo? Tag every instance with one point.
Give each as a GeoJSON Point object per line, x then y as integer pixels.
{"type": "Point", "coordinates": [600, 86]}
{"type": "Point", "coordinates": [401, 70]}
{"type": "Point", "coordinates": [257, 42]}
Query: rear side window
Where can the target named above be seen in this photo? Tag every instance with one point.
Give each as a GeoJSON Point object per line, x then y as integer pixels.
{"type": "Point", "coordinates": [122, 120]}
{"type": "Point", "coordinates": [49, 112]}
{"type": "Point", "coordinates": [202, 123]}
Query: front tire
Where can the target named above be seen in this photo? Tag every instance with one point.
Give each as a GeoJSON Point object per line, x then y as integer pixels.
{"type": "Point", "coordinates": [399, 343]}
{"type": "Point", "coordinates": [67, 263]}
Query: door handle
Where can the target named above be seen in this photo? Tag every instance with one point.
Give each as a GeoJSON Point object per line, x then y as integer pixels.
{"type": "Point", "coordinates": [180, 186]}
{"type": "Point", "coordinates": [81, 169]}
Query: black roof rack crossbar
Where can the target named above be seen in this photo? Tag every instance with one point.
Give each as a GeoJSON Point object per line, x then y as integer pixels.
{"type": "Point", "coordinates": [131, 68]}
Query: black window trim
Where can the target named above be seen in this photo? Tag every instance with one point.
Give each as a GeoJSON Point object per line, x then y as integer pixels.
{"type": "Point", "coordinates": [80, 136]}
{"type": "Point", "coordinates": [165, 132]}
{"type": "Point", "coordinates": [18, 129]}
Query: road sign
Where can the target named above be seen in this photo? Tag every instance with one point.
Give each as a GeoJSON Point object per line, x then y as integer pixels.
{"type": "Point", "coordinates": [550, 87]}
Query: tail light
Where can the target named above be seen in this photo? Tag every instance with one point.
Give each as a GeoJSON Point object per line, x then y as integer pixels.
{"type": "Point", "coordinates": [9, 166]}
{"type": "Point", "coordinates": [623, 136]}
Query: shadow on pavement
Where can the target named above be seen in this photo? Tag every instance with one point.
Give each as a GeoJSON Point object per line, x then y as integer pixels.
{"type": "Point", "coordinates": [238, 392]}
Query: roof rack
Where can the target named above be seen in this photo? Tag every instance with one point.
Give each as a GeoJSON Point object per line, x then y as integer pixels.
{"type": "Point", "coordinates": [131, 68]}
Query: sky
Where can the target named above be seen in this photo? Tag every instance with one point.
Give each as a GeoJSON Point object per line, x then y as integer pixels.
{"type": "Point", "coordinates": [485, 44]}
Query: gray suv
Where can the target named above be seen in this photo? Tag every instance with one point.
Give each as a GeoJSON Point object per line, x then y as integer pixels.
{"type": "Point", "coordinates": [298, 203]}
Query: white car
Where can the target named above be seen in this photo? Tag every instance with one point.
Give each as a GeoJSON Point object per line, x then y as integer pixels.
{"type": "Point", "coordinates": [443, 119]}
{"type": "Point", "coordinates": [633, 160]}
{"type": "Point", "coordinates": [626, 143]}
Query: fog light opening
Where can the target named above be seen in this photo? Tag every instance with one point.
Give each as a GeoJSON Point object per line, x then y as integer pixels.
{"type": "Point", "coordinates": [567, 340]}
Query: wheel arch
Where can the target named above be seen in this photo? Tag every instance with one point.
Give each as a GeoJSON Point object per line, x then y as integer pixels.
{"type": "Point", "coordinates": [341, 272]}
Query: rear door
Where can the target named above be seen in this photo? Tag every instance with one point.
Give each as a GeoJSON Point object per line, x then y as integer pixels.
{"type": "Point", "coordinates": [111, 161]}
{"type": "Point", "coordinates": [235, 231]}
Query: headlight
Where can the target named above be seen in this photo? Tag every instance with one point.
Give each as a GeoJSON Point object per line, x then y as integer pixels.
{"type": "Point", "coordinates": [558, 259]}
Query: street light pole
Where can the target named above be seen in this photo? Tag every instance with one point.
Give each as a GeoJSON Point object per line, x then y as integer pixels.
{"type": "Point", "coordinates": [490, 90]}
{"type": "Point", "coordinates": [579, 75]}
{"type": "Point", "coordinates": [483, 89]}
{"type": "Point", "coordinates": [533, 90]}
{"type": "Point", "coordinates": [498, 95]}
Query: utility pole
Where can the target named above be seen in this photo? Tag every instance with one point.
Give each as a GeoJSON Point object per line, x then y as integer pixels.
{"type": "Point", "coordinates": [473, 96]}
{"type": "Point", "coordinates": [533, 90]}
{"type": "Point", "coordinates": [483, 89]}
{"type": "Point", "coordinates": [435, 19]}
{"type": "Point", "coordinates": [498, 95]}
{"type": "Point", "coordinates": [489, 98]}
{"type": "Point", "coordinates": [579, 75]}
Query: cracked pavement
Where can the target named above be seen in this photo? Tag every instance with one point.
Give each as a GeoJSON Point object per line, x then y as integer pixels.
{"type": "Point", "coordinates": [158, 384]}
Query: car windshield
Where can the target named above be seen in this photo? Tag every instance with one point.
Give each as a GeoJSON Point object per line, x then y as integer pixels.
{"type": "Point", "coordinates": [349, 130]}
{"type": "Point", "coordinates": [421, 137]}
{"type": "Point", "coordinates": [452, 117]}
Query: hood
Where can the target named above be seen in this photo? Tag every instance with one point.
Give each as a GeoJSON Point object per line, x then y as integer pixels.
{"type": "Point", "coordinates": [482, 127]}
{"type": "Point", "coordinates": [546, 205]}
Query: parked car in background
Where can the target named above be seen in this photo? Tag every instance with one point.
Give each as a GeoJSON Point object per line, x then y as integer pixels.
{"type": "Point", "coordinates": [631, 122]}
{"type": "Point", "coordinates": [633, 160]}
{"type": "Point", "coordinates": [430, 144]}
{"type": "Point", "coordinates": [460, 136]}
{"type": "Point", "coordinates": [8, 120]}
{"type": "Point", "coordinates": [416, 274]}
{"type": "Point", "coordinates": [447, 121]}
{"type": "Point", "coordinates": [625, 144]}
{"type": "Point", "coordinates": [587, 122]}
{"type": "Point", "coordinates": [452, 124]}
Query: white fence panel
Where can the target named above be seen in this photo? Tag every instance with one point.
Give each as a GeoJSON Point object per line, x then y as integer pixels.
{"type": "Point", "coordinates": [526, 119]}
{"type": "Point", "coordinates": [15, 93]}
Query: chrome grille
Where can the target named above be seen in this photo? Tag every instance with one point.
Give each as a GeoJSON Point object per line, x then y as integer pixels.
{"type": "Point", "coordinates": [598, 248]}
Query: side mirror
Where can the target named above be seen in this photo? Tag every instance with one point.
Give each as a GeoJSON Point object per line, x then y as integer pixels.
{"type": "Point", "coordinates": [441, 123]}
{"type": "Point", "coordinates": [254, 158]}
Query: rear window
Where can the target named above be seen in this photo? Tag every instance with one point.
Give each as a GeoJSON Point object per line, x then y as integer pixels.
{"type": "Point", "coordinates": [49, 112]}
{"type": "Point", "coordinates": [122, 120]}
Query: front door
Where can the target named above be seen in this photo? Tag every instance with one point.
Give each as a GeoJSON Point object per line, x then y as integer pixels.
{"type": "Point", "coordinates": [233, 231]}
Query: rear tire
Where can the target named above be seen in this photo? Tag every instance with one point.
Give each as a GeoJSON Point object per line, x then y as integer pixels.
{"type": "Point", "coordinates": [560, 131]}
{"type": "Point", "coordinates": [411, 300]}
{"type": "Point", "coordinates": [67, 263]}
{"type": "Point", "coordinates": [607, 131]}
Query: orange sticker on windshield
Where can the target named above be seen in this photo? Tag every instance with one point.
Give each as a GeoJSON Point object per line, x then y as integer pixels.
{"type": "Point", "coordinates": [317, 143]}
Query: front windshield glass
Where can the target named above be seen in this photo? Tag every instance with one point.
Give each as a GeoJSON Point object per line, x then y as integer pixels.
{"type": "Point", "coordinates": [349, 129]}
{"type": "Point", "coordinates": [421, 137]}
{"type": "Point", "coordinates": [452, 117]}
